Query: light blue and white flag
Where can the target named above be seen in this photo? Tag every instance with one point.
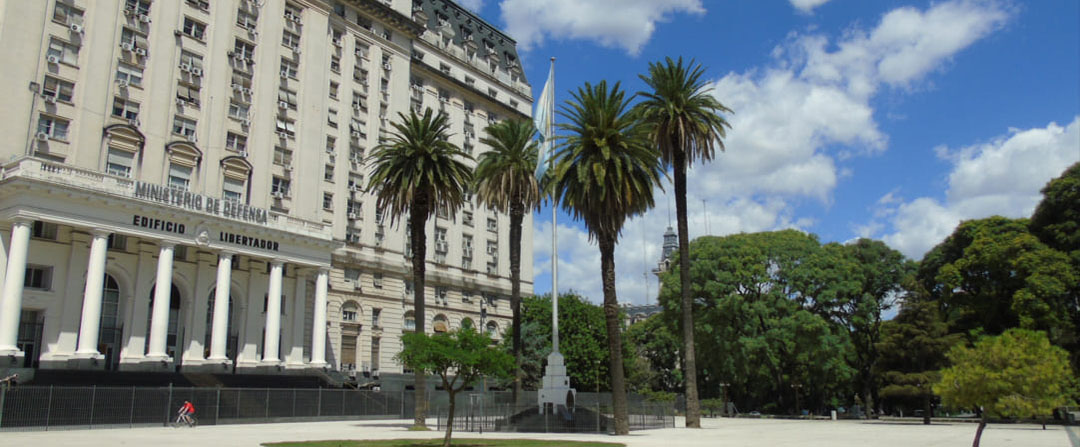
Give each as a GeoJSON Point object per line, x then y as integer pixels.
{"type": "Point", "coordinates": [543, 119]}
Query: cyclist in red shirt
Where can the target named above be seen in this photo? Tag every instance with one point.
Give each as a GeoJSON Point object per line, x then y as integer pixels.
{"type": "Point", "coordinates": [186, 411]}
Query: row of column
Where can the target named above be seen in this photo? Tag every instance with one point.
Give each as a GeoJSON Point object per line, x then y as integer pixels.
{"type": "Point", "coordinates": [89, 325]}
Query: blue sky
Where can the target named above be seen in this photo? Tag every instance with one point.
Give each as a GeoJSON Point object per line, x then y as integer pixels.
{"type": "Point", "coordinates": [886, 119]}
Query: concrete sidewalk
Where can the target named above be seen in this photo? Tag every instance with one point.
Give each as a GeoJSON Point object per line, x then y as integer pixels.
{"type": "Point", "coordinates": [716, 432]}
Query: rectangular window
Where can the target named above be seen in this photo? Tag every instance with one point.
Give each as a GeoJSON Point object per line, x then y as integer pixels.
{"type": "Point", "coordinates": [58, 89]}
{"type": "Point", "coordinates": [288, 97]}
{"type": "Point", "coordinates": [188, 93]}
{"type": "Point", "coordinates": [201, 5]}
{"type": "Point", "coordinates": [290, 40]}
{"type": "Point", "coordinates": [292, 12]}
{"type": "Point", "coordinates": [44, 230]}
{"type": "Point", "coordinates": [238, 110]}
{"type": "Point", "coordinates": [246, 19]}
{"type": "Point", "coordinates": [235, 142]}
{"type": "Point", "coordinates": [362, 50]}
{"type": "Point", "coordinates": [243, 50]}
{"type": "Point", "coordinates": [375, 314]}
{"type": "Point", "coordinates": [64, 52]}
{"type": "Point", "coordinates": [179, 176]}
{"type": "Point", "coordinates": [328, 201]}
{"type": "Point", "coordinates": [492, 224]}
{"type": "Point", "coordinates": [119, 162]}
{"type": "Point", "coordinates": [280, 186]}
{"type": "Point", "coordinates": [282, 156]}
{"type": "Point", "coordinates": [54, 127]}
{"type": "Point", "coordinates": [126, 109]}
{"type": "Point", "coordinates": [190, 61]}
{"type": "Point", "coordinates": [289, 68]}
{"type": "Point", "coordinates": [377, 280]}
{"type": "Point", "coordinates": [38, 277]}
{"type": "Point", "coordinates": [137, 6]}
{"type": "Point", "coordinates": [467, 218]}
{"type": "Point", "coordinates": [286, 126]}
{"type": "Point", "coordinates": [184, 126]}
{"type": "Point", "coordinates": [129, 73]}
{"type": "Point", "coordinates": [335, 64]}
{"type": "Point", "coordinates": [117, 242]}
{"type": "Point", "coordinates": [67, 14]}
{"type": "Point", "coordinates": [441, 293]}
{"type": "Point", "coordinates": [194, 28]}
{"type": "Point", "coordinates": [331, 118]}
{"type": "Point", "coordinates": [333, 89]}
{"type": "Point", "coordinates": [233, 189]}
{"type": "Point", "coordinates": [328, 173]}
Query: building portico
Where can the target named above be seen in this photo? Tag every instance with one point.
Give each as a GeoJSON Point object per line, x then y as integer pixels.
{"type": "Point", "coordinates": [123, 279]}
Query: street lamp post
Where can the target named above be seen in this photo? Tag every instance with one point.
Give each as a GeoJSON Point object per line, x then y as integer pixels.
{"type": "Point", "coordinates": [797, 387]}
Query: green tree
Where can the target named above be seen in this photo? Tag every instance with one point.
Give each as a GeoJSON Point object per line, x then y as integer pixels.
{"type": "Point", "coordinates": [753, 319]}
{"type": "Point", "coordinates": [1017, 374]}
{"type": "Point", "coordinates": [606, 174]}
{"type": "Point", "coordinates": [992, 274]}
{"type": "Point", "coordinates": [414, 173]}
{"type": "Point", "coordinates": [458, 357]}
{"type": "Point", "coordinates": [506, 181]}
{"type": "Point", "coordinates": [659, 347]}
{"type": "Point", "coordinates": [913, 347]}
{"type": "Point", "coordinates": [1057, 224]}
{"type": "Point", "coordinates": [687, 126]}
{"type": "Point", "coordinates": [581, 340]}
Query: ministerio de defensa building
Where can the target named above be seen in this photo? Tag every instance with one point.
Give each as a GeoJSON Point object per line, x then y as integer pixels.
{"type": "Point", "coordinates": [161, 155]}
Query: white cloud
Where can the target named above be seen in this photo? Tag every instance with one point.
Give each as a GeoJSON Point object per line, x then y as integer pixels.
{"type": "Point", "coordinates": [626, 24]}
{"type": "Point", "coordinates": [472, 5]}
{"type": "Point", "coordinates": [807, 6]}
{"type": "Point", "coordinates": [794, 120]}
{"type": "Point", "coordinates": [1000, 177]}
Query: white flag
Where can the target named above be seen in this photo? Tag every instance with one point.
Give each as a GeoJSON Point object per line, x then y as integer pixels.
{"type": "Point", "coordinates": [545, 111]}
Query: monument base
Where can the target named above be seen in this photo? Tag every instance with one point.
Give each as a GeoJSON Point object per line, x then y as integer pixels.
{"type": "Point", "coordinates": [555, 390]}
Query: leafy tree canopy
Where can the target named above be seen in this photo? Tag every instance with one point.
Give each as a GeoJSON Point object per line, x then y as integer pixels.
{"type": "Point", "coordinates": [1057, 218]}
{"type": "Point", "coordinates": [913, 347]}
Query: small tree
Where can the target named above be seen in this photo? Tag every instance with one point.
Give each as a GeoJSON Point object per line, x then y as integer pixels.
{"type": "Point", "coordinates": [458, 357]}
{"type": "Point", "coordinates": [1016, 374]}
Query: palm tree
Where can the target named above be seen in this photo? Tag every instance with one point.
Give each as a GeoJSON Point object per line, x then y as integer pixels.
{"type": "Point", "coordinates": [686, 126]}
{"type": "Point", "coordinates": [506, 181]}
{"type": "Point", "coordinates": [414, 173]}
{"type": "Point", "coordinates": [605, 175]}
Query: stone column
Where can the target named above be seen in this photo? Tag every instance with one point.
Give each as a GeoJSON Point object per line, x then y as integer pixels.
{"type": "Point", "coordinates": [318, 327]}
{"type": "Point", "coordinates": [273, 314]}
{"type": "Point", "coordinates": [219, 331]}
{"type": "Point", "coordinates": [159, 314]}
{"type": "Point", "coordinates": [91, 306]}
{"type": "Point", "coordinates": [11, 300]}
{"type": "Point", "coordinates": [295, 355]}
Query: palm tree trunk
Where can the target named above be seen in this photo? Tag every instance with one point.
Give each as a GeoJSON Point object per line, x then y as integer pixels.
{"type": "Point", "coordinates": [614, 326]}
{"type": "Point", "coordinates": [693, 407]}
{"type": "Point", "coordinates": [417, 223]}
{"type": "Point", "coordinates": [517, 214]}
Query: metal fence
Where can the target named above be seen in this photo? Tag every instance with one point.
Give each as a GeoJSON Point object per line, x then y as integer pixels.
{"type": "Point", "coordinates": [50, 408]}
{"type": "Point", "coordinates": [593, 413]}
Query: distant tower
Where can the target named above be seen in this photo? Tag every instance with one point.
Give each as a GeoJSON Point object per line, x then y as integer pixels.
{"type": "Point", "coordinates": [671, 243]}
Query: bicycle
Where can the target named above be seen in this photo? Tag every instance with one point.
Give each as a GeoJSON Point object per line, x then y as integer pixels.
{"type": "Point", "coordinates": [186, 419]}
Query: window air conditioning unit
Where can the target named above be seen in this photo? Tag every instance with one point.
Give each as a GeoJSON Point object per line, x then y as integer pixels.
{"type": "Point", "coordinates": [386, 67]}
{"type": "Point", "coordinates": [353, 216]}
{"type": "Point", "coordinates": [356, 108]}
{"type": "Point", "coordinates": [282, 135]}
{"type": "Point", "coordinates": [254, 34]}
{"type": "Point", "coordinates": [191, 137]}
{"type": "Point", "coordinates": [243, 154]}
{"type": "Point", "coordinates": [134, 122]}
{"type": "Point", "coordinates": [277, 195]}
{"type": "Point", "coordinates": [441, 246]}
{"type": "Point", "coordinates": [140, 51]}
{"type": "Point", "coordinates": [196, 71]}
{"type": "Point", "coordinates": [245, 122]}
{"type": "Point", "coordinates": [123, 83]}
{"type": "Point", "coordinates": [127, 46]}
{"type": "Point", "coordinates": [288, 168]}
{"type": "Point", "coordinates": [42, 136]}
{"type": "Point", "coordinates": [282, 105]}
{"type": "Point", "coordinates": [144, 18]}
{"type": "Point", "coordinates": [50, 99]}
{"type": "Point", "coordinates": [296, 50]}
{"type": "Point", "coordinates": [336, 42]}
{"type": "Point", "coordinates": [185, 68]}
{"type": "Point", "coordinates": [53, 59]}
{"type": "Point", "coordinates": [237, 88]}
{"type": "Point", "coordinates": [284, 74]}
{"type": "Point", "coordinates": [76, 28]}
{"type": "Point", "coordinates": [246, 91]}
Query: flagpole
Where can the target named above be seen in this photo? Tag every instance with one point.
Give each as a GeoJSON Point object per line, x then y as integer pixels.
{"type": "Point", "coordinates": [554, 227]}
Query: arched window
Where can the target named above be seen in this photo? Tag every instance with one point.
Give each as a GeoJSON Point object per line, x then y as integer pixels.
{"type": "Point", "coordinates": [410, 321]}
{"type": "Point", "coordinates": [235, 172]}
{"type": "Point", "coordinates": [183, 164]}
{"type": "Point", "coordinates": [350, 311]}
{"type": "Point", "coordinates": [492, 328]}
{"type": "Point", "coordinates": [122, 145]}
{"type": "Point", "coordinates": [467, 322]}
{"type": "Point", "coordinates": [440, 324]}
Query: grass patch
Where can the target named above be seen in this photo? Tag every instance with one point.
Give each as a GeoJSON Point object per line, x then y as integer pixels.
{"type": "Point", "coordinates": [438, 442]}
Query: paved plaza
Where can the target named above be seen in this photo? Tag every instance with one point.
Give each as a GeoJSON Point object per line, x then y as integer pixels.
{"type": "Point", "coordinates": [716, 432]}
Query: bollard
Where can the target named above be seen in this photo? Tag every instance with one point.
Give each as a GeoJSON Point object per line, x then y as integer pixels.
{"type": "Point", "coordinates": [834, 415]}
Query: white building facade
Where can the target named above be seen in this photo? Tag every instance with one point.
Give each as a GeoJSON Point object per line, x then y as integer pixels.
{"type": "Point", "coordinates": [160, 154]}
